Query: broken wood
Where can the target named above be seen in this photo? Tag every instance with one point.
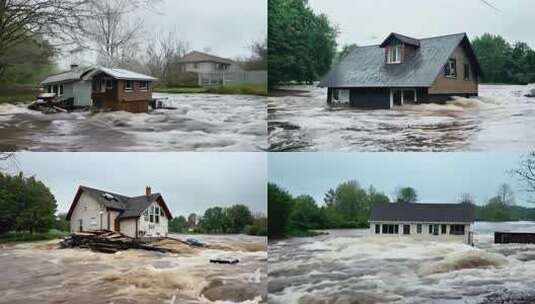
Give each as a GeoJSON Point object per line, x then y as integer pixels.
{"type": "Point", "coordinates": [224, 261]}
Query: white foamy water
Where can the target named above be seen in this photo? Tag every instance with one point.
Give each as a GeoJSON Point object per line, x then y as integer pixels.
{"type": "Point", "coordinates": [41, 273]}
{"type": "Point", "coordinates": [352, 266]}
{"type": "Point", "coordinates": [201, 122]}
{"type": "Point", "coordinates": [502, 118]}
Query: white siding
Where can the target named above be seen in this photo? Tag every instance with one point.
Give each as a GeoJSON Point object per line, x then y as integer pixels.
{"type": "Point", "coordinates": [425, 235]}
{"type": "Point", "coordinates": [153, 229]}
{"type": "Point", "coordinates": [128, 227]}
{"type": "Point", "coordinates": [88, 210]}
{"type": "Point", "coordinates": [206, 67]}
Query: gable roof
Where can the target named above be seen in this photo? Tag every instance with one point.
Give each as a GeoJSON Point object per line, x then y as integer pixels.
{"type": "Point", "coordinates": [401, 212]}
{"type": "Point", "coordinates": [365, 66]}
{"type": "Point", "coordinates": [67, 76]}
{"type": "Point", "coordinates": [120, 74]}
{"type": "Point", "coordinates": [196, 56]}
{"type": "Point", "coordinates": [402, 38]}
{"type": "Point", "coordinates": [128, 206]}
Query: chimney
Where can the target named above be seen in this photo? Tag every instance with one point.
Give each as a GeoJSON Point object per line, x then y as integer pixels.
{"type": "Point", "coordinates": [74, 66]}
{"type": "Point", "coordinates": [147, 191]}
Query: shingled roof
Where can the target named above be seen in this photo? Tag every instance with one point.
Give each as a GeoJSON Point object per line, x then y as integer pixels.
{"type": "Point", "coordinates": [428, 213]}
{"type": "Point", "coordinates": [196, 56]}
{"type": "Point", "coordinates": [128, 206]}
{"type": "Point", "coordinates": [365, 66]}
{"type": "Point", "coordinates": [67, 76]}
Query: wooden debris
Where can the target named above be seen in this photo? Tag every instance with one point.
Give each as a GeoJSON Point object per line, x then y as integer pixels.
{"type": "Point", "coordinates": [224, 261]}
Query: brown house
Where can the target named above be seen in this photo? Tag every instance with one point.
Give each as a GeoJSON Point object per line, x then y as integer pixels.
{"type": "Point", "coordinates": [120, 90]}
{"type": "Point", "coordinates": [405, 70]}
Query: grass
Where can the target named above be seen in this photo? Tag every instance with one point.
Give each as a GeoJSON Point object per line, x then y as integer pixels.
{"type": "Point", "coordinates": [17, 93]}
{"type": "Point", "coordinates": [245, 89]}
{"type": "Point", "coordinates": [28, 237]}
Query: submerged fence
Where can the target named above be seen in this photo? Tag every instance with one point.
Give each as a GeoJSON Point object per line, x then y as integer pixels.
{"type": "Point", "coordinates": [232, 78]}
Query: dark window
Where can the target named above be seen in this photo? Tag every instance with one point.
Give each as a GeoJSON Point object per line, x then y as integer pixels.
{"type": "Point", "coordinates": [377, 229]}
{"type": "Point", "coordinates": [144, 85]}
{"type": "Point", "coordinates": [49, 89]}
{"type": "Point", "coordinates": [466, 71]}
{"type": "Point", "coordinates": [443, 229]}
{"type": "Point", "coordinates": [406, 229]}
{"type": "Point", "coordinates": [435, 229]}
{"type": "Point", "coordinates": [430, 229]}
{"type": "Point", "coordinates": [419, 228]}
{"type": "Point", "coordinates": [451, 69]}
{"type": "Point", "coordinates": [390, 229]}
{"type": "Point", "coordinates": [457, 229]}
{"type": "Point", "coordinates": [129, 85]}
{"type": "Point", "coordinates": [109, 84]}
{"type": "Point", "coordinates": [60, 90]}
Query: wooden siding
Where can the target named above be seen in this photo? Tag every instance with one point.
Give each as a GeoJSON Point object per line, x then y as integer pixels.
{"type": "Point", "coordinates": [117, 99]}
{"type": "Point", "coordinates": [458, 85]}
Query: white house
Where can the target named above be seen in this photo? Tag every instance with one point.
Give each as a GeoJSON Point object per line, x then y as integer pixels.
{"type": "Point", "coordinates": [199, 62]}
{"type": "Point", "coordinates": [140, 216]}
{"type": "Point", "coordinates": [70, 85]}
{"type": "Point", "coordinates": [444, 222]}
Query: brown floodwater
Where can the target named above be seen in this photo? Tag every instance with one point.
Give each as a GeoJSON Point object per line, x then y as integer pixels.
{"type": "Point", "coordinates": [41, 273]}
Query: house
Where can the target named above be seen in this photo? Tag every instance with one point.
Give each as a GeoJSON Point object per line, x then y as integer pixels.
{"type": "Point", "coordinates": [199, 62]}
{"type": "Point", "coordinates": [405, 70]}
{"type": "Point", "coordinates": [120, 90]}
{"type": "Point", "coordinates": [69, 85]}
{"type": "Point", "coordinates": [139, 216]}
{"type": "Point", "coordinates": [444, 222]}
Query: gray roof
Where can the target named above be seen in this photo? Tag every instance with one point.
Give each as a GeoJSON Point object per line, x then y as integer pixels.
{"type": "Point", "coordinates": [400, 212]}
{"type": "Point", "coordinates": [402, 38]}
{"type": "Point", "coordinates": [196, 56]}
{"type": "Point", "coordinates": [66, 77]}
{"type": "Point", "coordinates": [121, 74]}
{"type": "Point", "coordinates": [365, 66]}
{"type": "Point", "coordinates": [129, 206]}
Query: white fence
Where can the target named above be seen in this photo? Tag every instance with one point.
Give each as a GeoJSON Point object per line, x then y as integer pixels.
{"type": "Point", "coordinates": [232, 78]}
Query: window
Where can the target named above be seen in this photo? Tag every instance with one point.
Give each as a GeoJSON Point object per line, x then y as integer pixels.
{"type": "Point", "coordinates": [144, 85]}
{"type": "Point", "coordinates": [406, 229]}
{"type": "Point", "coordinates": [146, 215]}
{"type": "Point", "coordinates": [450, 70]}
{"type": "Point", "coordinates": [61, 90]}
{"type": "Point", "coordinates": [394, 54]}
{"type": "Point", "coordinates": [49, 89]}
{"type": "Point", "coordinates": [129, 86]}
{"type": "Point", "coordinates": [430, 229]}
{"type": "Point", "coordinates": [154, 213]}
{"type": "Point", "coordinates": [377, 229]}
{"type": "Point", "coordinates": [466, 71]}
{"type": "Point", "coordinates": [341, 95]}
{"type": "Point", "coordinates": [81, 225]}
{"type": "Point", "coordinates": [195, 65]}
{"type": "Point", "coordinates": [109, 84]}
{"type": "Point", "coordinates": [157, 215]}
{"type": "Point", "coordinates": [435, 229]}
{"type": "Point", "coordinates": [161, 212]}
{"type": "Point", "coordinates": [55, 89]}
{"type": "Point", "coordinates": [443, 229]}
{"type": "Point", "coordinates": [390, 229]}
{"type": "Point", "coordinates": [457, 229]}
{"type": "Point", "coordinates": [419, 228]}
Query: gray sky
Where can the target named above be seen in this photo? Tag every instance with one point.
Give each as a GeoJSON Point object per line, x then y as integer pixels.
{"type": "Point", "coordinates": [369, 21]}
{"type": "Point", "coordinates": [227, 27]}
{"type": "Point", "coordinates": [189, 182]}
{"type": "Point", "coordinates": [437, 177]}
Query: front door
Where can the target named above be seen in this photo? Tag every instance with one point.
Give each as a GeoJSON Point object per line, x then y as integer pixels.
{"type": "Point", "coordinates": [117, 226]}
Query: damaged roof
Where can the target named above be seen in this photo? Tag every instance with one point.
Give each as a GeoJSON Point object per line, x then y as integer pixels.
{"type": "Point", "coordinates": [365, 66]}
{"type": "Point", "coordinates": [67, 76]}
{"type": "Point", "coordinates": [196, 56]}
{"type": "Point", "coordinates": [129, 206]}
{"type": "Point", "coordinates": [432, 213]}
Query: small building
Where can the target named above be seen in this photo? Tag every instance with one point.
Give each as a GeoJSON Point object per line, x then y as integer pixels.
{"type": "Point", "coordinates": [441, 222]}
{"type": "Point", "coordinates": [70, 85]}
{"type": "Point", "coordinates": [139, 216]}
{"type": "Point", "coordinates": [120, 90]}
{"type": "Point", "coordinates": [199, 62]}
{"type": "Point", "coordinates": [405, 70]}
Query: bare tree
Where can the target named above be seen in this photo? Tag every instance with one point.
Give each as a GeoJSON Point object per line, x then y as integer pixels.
{"type": "Point", "coordinates": [526, 172]}
{"type": "Point", "coordinates": [467, 198]}
{"type": "Point", "coordinates": [163, 52]}
{"type": "Point", "coordinates": [7, 158]}
{"type": "Point", "coordinates": [506, 194]}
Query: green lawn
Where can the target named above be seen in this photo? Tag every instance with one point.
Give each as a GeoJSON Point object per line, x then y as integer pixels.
{"type": "Point", "coordinates": [249, 89]}
{"type": "Point", "coordinates": [179, 90]}
{"type": "Point", "coordinates": [27, 237]}
{"type": "Point", "coordinates": [16, 94]}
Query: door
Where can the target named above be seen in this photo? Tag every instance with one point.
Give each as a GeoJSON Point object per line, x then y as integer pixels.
{"type": "Point", "coordinates": [397, 97]}
{"type": "Point", "coordinates": [117, 226]}
{"type": "Point", "coordinates": [406, 229]}
{"type": "Point", "coordinates": [409, 96]}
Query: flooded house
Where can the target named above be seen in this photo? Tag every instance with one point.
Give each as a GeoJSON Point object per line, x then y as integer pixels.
{"type": "Point", "coordinates": [199, 62]}
{"type": "Point", "coordinates": [137, 216]}
{"type": "Point", "coordinates": [404, 70]}
{"type": "Point", "coordinates": [440, 222]}
{"type": "Point", "coordinates": [70, 86]}
{"type": "Point", "coordinates": [120, 90]}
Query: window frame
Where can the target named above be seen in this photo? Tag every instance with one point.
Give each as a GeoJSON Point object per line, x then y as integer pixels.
{"type": "Point", "coordinates": [341, 95]}
{"type": "Point", "coordinates": [419, 228]}
{"type": "Point", "coordinates": [450, 70]}
{"type": "Point", "coordinates": [443, 229]}
{"type": "Point", "coordinates": [109, 84]}
{"type": "Point", "coordinates": [390, 229]}
{"type": "Point", "coordinates": [143, 85]}
{"type": "Point", "coordinates": [60, 90]}
{"type": "Point", "coordinates": [455, 231]}
{"type": "Point", "coordinates": [394, 54]}
{"type": "Point", "coordinates": [128, 88]}
{"type": "Point", "coordinates": [377, 228]}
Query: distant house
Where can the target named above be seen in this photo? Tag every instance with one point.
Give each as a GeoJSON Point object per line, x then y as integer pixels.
{"type": "Point", "coordinates": [139, 216]}
{"type": "Point", "coordinates": [443, 222]}
{"type": "Point", "coordinates": [199, 62]}
{"type": "Point", "coordinates": [70, 85]}
{"type": "Point", "coordinates": [120, 90]}
{"type": "Point", "coordinates": [405, 70]}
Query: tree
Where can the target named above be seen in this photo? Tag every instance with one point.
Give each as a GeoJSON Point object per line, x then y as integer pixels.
{"type": "Point", "coordinates": [351, 201]}
{"type": "Point", "coordinates": [526, 172]}
{"type": "Point", "coordinates": [259, 59]}
{"type": "Point", "coordinates": [214, 220]}
{"type": "Point", "coordinates": [192, 220]}
{"type": "Point", "coordinates": [279, 208]}
{"type": "Point", "coordinates": [506, 195]}
{"type": "Point", "coordinates": [163, 52]}
{"type": "Point", "coordinates": [346, 50]}
{"type": "Point", "coordinates": [305, 213]}
{"type": "Point", "coordinates": [406, 195]}
{"type": "Point", "coordinates": [239, 217]}
{"type": "Point", "coordinates": [178, 224]}
{"type": "Point", "coordinates": [329, 197]}
{"type": "Point", "coordinates": [467, 198]}
{"type": "Point", "coordinates": [62, 224]}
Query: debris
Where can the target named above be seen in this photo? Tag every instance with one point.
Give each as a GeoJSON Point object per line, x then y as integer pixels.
{"type": "Point", "coordinates": [195, 242]}
{"type": "Point", "coordinates": [531, 93]}
{"type": "Point", "coordinates": [224, 261]}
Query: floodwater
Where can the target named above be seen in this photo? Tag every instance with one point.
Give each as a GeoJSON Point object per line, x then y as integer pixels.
{"type": "Point", "coordinates": [354, 267]}
{"type": "Point", "coordinates": [502, 118]}
{"type": "Point", "coordinates": [201, 122]}
{"type": "Point", "coordinates": [41, 273]}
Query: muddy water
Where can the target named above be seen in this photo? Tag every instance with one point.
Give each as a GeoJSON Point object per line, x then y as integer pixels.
{"type": "Point", "coordinates": [500, 119]}
{"type": "Point", "coordinates": [40, 273]}
{"type": "Point", "coordinates": [201, 122]}
{"type": "Point", "coordinates": [353, 267]}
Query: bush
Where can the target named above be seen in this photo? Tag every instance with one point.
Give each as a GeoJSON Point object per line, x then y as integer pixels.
{"type": "Point", "coordinates": [182, 79]}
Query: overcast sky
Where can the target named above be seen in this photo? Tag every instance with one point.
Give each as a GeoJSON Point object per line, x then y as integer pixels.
{"type": "Point", "coordinates": [189, 182]}
{"type": "Point", "coordinates": [227, 28]}
{"type": "Point", "coordinates": [437, 177]}
{"type": "Point", "coordinates": [368, 22]}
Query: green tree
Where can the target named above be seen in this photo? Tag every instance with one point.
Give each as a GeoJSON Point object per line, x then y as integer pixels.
{"type": "Point", "coordinates": [239, 217]}
{"type": "Point", "coordinates": [305, 213]}
{"type": "Point", "coordinates": [214, 220]}
{"type": "Point", "coordinates": [178, 224]}
{"type": "Point", "coordinates": [61, 223]}
{"type": "Point", "coordinates": [279, 209]}
{"type": "Point", "coordinates": [406, 195]}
